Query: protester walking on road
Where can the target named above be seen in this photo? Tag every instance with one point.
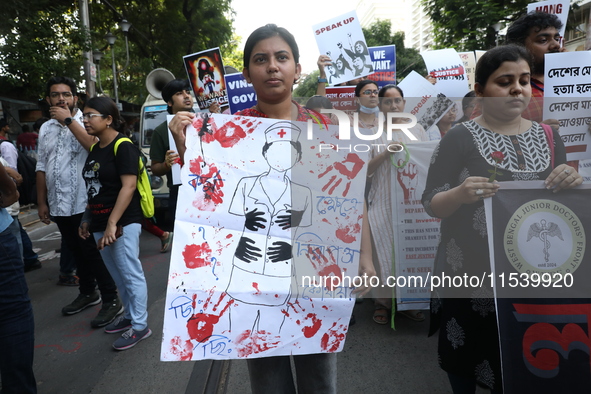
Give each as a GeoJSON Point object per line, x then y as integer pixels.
{"type": "Point", "coordinates": [63, 145]}
{"type": "Point", "coordinates": [114, 216]}
{"type": "Point", "coordinates": [271, 64]}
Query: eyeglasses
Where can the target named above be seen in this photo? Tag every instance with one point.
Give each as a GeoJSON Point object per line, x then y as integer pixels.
{"type": "Point", "coordinates": [370, 92]}
{"type": "Point", "coordinates": [89, 116]}
{"type": "Point", "coordinates": [63, 94]}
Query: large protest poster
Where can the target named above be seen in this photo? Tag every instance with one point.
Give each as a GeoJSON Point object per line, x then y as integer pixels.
{"type": "Point", "coordinates": [241, 94]}
{"type": "Point", "coordinates": [424, 100]}
{"type": "Point", "coordinates": [267, 209]}
{"type": "Point", "coordinates": [541, 269]}
{"type": "Point", "coordinates": [416, 234]}
{"type": "Point", "coordinates": [567, 97]}
{"type": "Point", "coordinates": [383, 59]}
{"type": "Point", "coordinates": [206, 75]}
{"type": "Point", "coordinates": [447, 66]}
{"type": "Point", "coordinates": [341, 39]}
{"type": "Point", "coordinates": [559, 8]}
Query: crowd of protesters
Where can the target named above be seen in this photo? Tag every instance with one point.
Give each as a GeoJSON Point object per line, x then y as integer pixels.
{"type": "Point", "coordinates": [86, 176]}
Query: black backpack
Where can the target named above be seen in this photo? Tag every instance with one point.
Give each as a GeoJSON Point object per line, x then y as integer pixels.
{"type": "Point", "coordinates": [26, 167]}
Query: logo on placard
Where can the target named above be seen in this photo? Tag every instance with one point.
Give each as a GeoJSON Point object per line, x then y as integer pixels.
{"type": "Point", "coordinates": [544, 236]}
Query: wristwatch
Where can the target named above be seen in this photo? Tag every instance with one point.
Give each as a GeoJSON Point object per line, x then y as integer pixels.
{"type": "Point", "coordinates": [68, 121]}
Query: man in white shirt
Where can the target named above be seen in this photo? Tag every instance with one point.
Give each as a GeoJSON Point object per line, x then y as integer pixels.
{"type": "Point", "coordinates": [61, 193]}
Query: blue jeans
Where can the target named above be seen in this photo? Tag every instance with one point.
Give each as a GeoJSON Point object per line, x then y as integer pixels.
{"type": "Point", "coordinates": [16, 231]}
{"type": "Point", "coordinates": [29, 255]}
{"type": "Point", "coordinates": [122, 261]}
{"type": "Point", "coordinates": [17, 327]}
{"type": "Point", "coordinates": [315, 374]}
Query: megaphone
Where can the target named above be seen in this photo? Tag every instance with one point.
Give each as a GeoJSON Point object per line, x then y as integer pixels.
{"type": "Point", "coordinates": [156, 80]}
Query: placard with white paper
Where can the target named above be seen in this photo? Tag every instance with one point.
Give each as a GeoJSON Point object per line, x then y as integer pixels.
{"type": "Point", "coordinates": [559, 8]}
{"type": "Point", "coordinates": [567, 98]}
{"type": "Point", "coordinates": [424, 100]}
{"type": "Point", "coordinates": [341, 38]}
{"type": "Point", "coordinates": [447, 66]}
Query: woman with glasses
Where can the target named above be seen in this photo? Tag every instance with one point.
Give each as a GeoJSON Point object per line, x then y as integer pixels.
{"type": "Point", "coordinates": [368, 110]}
{"type": "Point", "coordinates": [379, 199]}
{"type": "Point", "coordinates": [114, 216]}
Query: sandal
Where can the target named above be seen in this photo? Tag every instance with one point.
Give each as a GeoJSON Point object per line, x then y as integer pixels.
{"type": "Point", "coordinates": [380, 315]}
{"type": "Point", "coordinates": [414, 315]}
{"type": "Point", "coordinates": [166, 243]}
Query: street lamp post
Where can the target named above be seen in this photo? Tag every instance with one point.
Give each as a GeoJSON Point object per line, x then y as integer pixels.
{"type": "Point", "coordinates": [124, 25]}
{"type": "Point", "coordinates": [111, 38]}
{"type": "Point", "coordinates": [97, 56]}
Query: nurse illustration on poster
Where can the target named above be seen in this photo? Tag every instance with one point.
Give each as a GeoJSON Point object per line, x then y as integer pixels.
{"type": "Point", "coordinates": [271, 204]}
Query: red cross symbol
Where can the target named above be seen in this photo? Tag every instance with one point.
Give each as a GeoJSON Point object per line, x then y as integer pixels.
{"type": "Point", "coordinates": [281, 133]}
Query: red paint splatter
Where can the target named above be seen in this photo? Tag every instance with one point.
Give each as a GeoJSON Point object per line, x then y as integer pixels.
{"type": "Point", "coordinates": [60, 349]}
{"type": "Point", "coordinates": [325, 266]}
{"type": "Point", "coordinates": [229, 134]}
{"type": "Point", "coordinates": [207, 178]}
{"type": "Point", "coordinates": [229, 236]}
{"type": "Point", "coordinates": [249, 343]}
{"type": "Point", "coordinates": [197, 256]}
{"type": "Point", "coordinates": [347, 233]}
{"type": "Point", "coordinates": [347, 170]}
{"type": "Point", "coordinates": [256, 287]}
{"type": "Point", "coordinates": [182, 349]}
{"type": "Point", "coordinates": [325, 220]}
{"type": "Point", "coordinates": [332, 339]}
{"type": "Point", "coordinates": [295, 305]}
{"type": "Point", "coordinates": [310, 331]}
{"type": "Point", "coordinates": [200, 325]}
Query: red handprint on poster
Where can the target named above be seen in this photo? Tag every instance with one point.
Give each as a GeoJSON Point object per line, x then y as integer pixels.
{"type": "Point", "coordinates": [341, 171]}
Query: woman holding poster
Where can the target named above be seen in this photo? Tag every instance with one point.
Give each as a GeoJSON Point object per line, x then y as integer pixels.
{"type": "Point", "coordinates": [502, 143]}
{"type": "Point", "coordinates": [271, 64]}
{"type": "Point", "coordinates": [379, 172]}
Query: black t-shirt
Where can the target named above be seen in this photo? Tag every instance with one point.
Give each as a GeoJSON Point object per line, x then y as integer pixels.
{"type": "Point", "coordinates": [102, 174]}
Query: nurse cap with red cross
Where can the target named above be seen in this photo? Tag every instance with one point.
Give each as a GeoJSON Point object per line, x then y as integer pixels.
{"type": "Point", "coordinates": [282, 131]}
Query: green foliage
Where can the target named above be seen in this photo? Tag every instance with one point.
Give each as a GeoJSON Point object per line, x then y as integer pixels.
{"type": "Point", "coordinates": [307, 87]}
{"type": "Point", "coordinates": [42, 38]}
{"type": "Point", "coordinates": [231, 55]}
{"type": "Point", "coordinates": [407, 59]}
{"type": "Point", "coordinates": [467, 25]}
{"type": "Point", "coordinates": [37, 44]}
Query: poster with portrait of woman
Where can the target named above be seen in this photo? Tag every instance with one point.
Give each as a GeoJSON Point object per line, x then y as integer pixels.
{"type": "Point", "coordinates": [206, 75]}
{"type": "Point", "coordinates": [267, 230]}
{"type": "Point", "coordinates": [341, 39]}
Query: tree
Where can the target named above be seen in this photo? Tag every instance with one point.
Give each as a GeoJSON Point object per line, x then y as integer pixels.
{"type": "Point", "coordinates": [467, 25]}
{"type": "Point", "coordinates": [307, 86]}
{"type": "Point", "coordinates": [407, 59]}
{"type": "Point", "coordinates": [41, 38]}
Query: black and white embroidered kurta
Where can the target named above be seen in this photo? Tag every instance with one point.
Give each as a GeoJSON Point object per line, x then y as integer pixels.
{"type": "Point", "coordinates": [468, 339]}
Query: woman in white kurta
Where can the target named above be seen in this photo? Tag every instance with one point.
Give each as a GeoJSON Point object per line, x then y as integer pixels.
{"type": "Point", "coordinates": [379, 198]}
